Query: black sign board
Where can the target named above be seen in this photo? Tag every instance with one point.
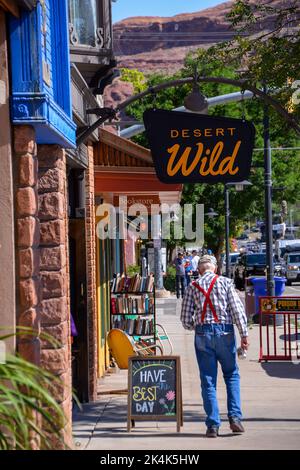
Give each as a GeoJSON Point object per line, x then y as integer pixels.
{"type": "Point", "coordinates": [195, 148]}
{"type": "Point", "coordinates": [154, 389]}
{"type": "Point", "coordinates": [279, 304]}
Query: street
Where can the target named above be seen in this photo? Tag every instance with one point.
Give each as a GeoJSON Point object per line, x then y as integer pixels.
{"type": "Point", "coordinates": [293, 290]}
{"type": "Point", "coordinates": [270, 397]}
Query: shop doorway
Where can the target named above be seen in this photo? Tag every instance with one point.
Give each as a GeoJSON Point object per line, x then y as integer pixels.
{"type": "Point", "coordinates": [78, 304]}
{"type": "Point", "coordinates": [78, 286]}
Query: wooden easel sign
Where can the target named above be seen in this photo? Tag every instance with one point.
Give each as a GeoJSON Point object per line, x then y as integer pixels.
{"type": "Point", "coordinates": [154, 389]}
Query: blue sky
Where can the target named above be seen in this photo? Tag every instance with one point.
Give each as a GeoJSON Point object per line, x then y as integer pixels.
{"type": "Point", "coordinates": [125, 8]}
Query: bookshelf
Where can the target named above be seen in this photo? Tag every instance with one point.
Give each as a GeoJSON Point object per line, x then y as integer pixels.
{"type": "Point", "coordinates": [133, 306]}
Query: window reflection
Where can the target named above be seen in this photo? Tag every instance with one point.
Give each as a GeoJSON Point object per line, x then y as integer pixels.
{"type": "Point", "coordinates": [83, 17]}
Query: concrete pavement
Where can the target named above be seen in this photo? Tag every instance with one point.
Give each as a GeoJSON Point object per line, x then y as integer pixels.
{"type": "Point", "coordinates": [270, 397]}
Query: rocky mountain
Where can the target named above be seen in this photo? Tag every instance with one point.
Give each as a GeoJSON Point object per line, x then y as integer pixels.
{"type": "Point", "coordinates": [160, 44]}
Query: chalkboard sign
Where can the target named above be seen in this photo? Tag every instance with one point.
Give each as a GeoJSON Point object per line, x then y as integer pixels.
{"type": "Point", "coordinates": [154, 389]}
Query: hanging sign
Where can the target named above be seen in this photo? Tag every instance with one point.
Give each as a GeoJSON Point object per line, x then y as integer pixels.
{"type": "Point", "coordinates": [195, 148]}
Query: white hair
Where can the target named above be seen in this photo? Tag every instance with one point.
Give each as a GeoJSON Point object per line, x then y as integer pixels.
{"type": "Point", "coordinates": [207, 266]}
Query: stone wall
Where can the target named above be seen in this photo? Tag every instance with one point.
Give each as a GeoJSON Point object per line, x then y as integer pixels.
{"type": "Point", "coordinates": [55, 312]}
{"type": "Point", "coordinates": [28, 237]}
{"type": "Point", "coordinates": [43, 291]}
{"type": "Point", "coordinates": [28, 283]}
{"type": "Point", "coordinates": [41, 252]}
{"type": "Point", "coordinates": [7, 235]}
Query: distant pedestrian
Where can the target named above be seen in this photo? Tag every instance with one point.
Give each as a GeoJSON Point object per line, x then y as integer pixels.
{"type": "Point", "coordinates": [188, 268]}
{"type": "Point", "coordinates": [195, 261]}
{"type": "Point", "coordinates": [180, 275]}
{"type": "Point", "coordinates": [210, 307]}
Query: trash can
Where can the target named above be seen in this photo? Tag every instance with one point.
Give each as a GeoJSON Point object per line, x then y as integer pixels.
{"type": "Point", "coordinates": [249, 298]}
{"type": "Point", "coordinates": [260, 289]}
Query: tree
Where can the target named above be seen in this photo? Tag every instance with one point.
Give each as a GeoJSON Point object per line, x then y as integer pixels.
{"type": "Point", "coordinates": [135, 77]}
{"type": "Point", "coordinates": [265, 49]}
{"type": "Point", "coordinates": [272, 52]}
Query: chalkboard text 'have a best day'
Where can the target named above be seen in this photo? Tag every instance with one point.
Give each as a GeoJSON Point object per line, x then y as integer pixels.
{"type": "Point", "coordinates": [154, 388]}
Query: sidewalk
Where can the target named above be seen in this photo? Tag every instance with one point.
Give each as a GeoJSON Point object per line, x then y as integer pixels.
{"type": "Point", "coordinates": [270, 397]}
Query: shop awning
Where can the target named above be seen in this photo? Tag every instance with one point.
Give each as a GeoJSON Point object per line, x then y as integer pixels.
{"type": "Point", "coordinates": [123, 167]}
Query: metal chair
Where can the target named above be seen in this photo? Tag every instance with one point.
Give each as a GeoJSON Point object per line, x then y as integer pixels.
{"type": "Point", "coordinates": [122, 346]}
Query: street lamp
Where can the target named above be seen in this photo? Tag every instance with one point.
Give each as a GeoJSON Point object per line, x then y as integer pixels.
{"type": "Point", "coordinates": [239, 186]}
{"type": "Point", "coordinates": [268, 200]}
{"type": "Point", "coordinates": [211, 213]}
{"type": "Point", "coordinates": [196, 101]}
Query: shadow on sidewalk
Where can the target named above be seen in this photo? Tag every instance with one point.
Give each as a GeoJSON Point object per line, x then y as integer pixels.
{"type": "Point", "coordinates": [141, 434]}
{"type": "Point", "coordinates": [271, 420]}
{"type": "Point", "coordinates": [283, 370]}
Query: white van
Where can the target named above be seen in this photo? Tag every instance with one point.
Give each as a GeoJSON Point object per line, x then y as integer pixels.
{"type": "Point", "coordinates": [292, 266]}
{"type": "Point", "coordinates": [280, 246]}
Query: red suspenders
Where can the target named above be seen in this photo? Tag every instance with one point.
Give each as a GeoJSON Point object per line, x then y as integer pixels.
{"type": "Point", "coordinates": [208, 300]}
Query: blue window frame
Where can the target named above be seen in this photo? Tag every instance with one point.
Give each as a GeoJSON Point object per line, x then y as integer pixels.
{"type": "Point", "coordinates": [41, 82]}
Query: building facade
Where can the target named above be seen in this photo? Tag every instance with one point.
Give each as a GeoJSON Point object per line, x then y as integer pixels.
{"type": "Point", "coordinates": [55, 61]}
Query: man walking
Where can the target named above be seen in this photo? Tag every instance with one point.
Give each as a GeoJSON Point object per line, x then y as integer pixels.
{"type": "Point", "coordinates": [180, 275]}
{"type": "Point", "coordinates": [188, 268]}
{"type": "Point", "coordinates": [211, 306]}
{"type": "Point", "coordinates": [195, 261]}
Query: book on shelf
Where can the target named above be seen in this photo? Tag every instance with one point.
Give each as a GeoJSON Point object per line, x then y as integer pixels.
{"type": "Point", "coordinates": [114, 308]}
{"type": "Point", "coordinates": [143, 304]}
{"type": "Point", "coordinates": [138, 327]}
{"type": "Point", "coordinates": [136, 283]}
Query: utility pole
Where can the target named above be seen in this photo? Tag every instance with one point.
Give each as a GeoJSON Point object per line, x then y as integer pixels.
{"type": "Point", "coordinates": [268, 201]}
{"type": "Point", "coordinates": [227, 214]}
{"type": "Point", "coordinates": [157, 252]}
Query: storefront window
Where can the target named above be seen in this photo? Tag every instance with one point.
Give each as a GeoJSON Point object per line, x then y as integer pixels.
{"type": "Point", "coordinates": [84, 19]}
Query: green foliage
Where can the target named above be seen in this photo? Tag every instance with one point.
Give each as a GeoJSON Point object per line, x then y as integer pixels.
{"type": "Point", "coordinates": [165, 99]}
{"type": "Point", "coordinates": [133, 269]}
{"type": "Point", "coordinates": [135, 77]}
{"type": "Point", "coordinates": [26, 401]}
{"type": "Point", "coordinates": [264, 55]}
{"type": "Point", "coordinates": [271, 58]}
{"type": "Point", "coordinates": [169, 279]}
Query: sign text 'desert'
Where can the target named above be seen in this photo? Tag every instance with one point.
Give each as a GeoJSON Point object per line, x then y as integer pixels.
{"type": "Point", "coordinates": [193, 148]}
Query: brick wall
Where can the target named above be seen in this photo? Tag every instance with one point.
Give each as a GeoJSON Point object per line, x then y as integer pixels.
{"type": "Point", "coordinates": [54, 311]}
{"type": "Point", "coordinates": [28, 236]}
{"type": "Point", "coordinates": [43, 268]}
{"type": "Point", "coordinates": [91, 274]}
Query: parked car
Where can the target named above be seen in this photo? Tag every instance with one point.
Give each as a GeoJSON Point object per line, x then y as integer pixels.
{"type": "Point", "coordinates": [292, 266]}
{"type": "Point", "coordinates": [243, 236]}
{"type": "Point", "coordinates": [233, 258]}
{"type": "Point", "coordinates": [252, 246]}
{"type": "Point", "coordinates": [253, 265]}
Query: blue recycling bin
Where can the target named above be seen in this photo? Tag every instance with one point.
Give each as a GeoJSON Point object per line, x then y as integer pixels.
{"type": "Point", "coordinates": [260, 289]}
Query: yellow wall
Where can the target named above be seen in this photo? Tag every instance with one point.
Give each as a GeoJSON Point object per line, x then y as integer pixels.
{"type": "Point", "coordinates": [103, 302]}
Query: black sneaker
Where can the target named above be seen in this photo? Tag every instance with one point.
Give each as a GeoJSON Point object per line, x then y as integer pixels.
{"type": "Point", "coordinates": [212, 431]}
{"type": "Point", "coordinates": [236, 425]}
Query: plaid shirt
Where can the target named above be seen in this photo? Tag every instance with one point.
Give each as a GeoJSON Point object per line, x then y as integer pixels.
{"type": "Point", "coordinates": [228, 305]}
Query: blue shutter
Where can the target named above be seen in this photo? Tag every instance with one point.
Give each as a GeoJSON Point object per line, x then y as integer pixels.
{"type": "Point", "coordinates": [41, 83]}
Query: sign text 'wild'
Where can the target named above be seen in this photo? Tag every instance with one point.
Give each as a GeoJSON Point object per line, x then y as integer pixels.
{"type": "Point", "coordinates": [195, 148]}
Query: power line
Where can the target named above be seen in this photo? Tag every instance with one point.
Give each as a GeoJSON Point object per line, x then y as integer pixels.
{"type": "Point", "coordinates": [277, 149]}
{"type": "Point", "coordinates": [176, 33]}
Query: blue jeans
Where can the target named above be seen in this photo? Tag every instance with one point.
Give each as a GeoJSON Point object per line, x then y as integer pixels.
{"type": "Point", "coordinates": [180, 285]}
{"type": "Point", "coordinates": [216, 343]}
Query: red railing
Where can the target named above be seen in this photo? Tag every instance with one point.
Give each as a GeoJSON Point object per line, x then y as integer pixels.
{"type": "Point", "coordinates": [279, 340]}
